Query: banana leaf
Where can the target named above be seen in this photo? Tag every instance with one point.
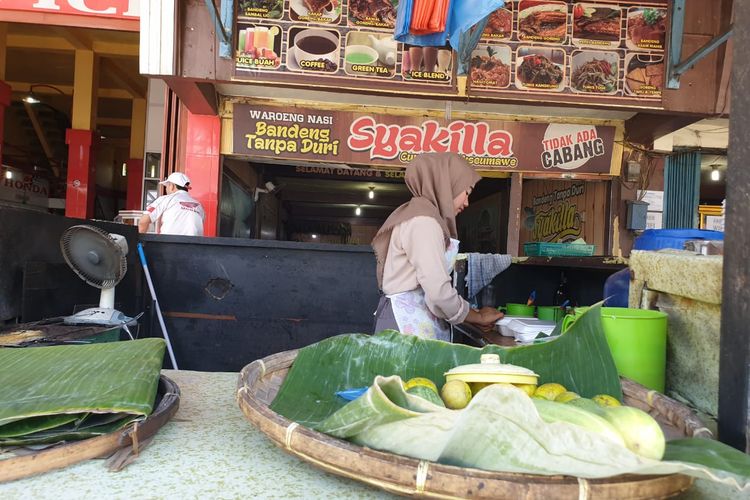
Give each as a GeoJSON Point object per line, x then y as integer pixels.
{"type": "Point", "coordinates": [518, 440]}
{"type": "Point", "coordinates": [66, 434]}
{"type": "Point", "coordinates": [35, 424]}
{"type": "Point", "coordinates": [76, 391]}
{"type": "Point", "coordinates": [579, 359]}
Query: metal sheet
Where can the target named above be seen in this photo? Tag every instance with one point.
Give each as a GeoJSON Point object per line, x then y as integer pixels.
{"type": "Point", "coordinates": [227, 302]}
{"type": "Point", "coordinates": [34, 237]}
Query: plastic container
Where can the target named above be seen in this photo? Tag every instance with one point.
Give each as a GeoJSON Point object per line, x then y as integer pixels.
{"type": "Point", "coordinates": [518, 310]}
{"type": "Point", "coordinates": [526, 329]}
{"type": "Point", "coordinates": [657, 239]}
{"type": "Point", "coordinates": [503, 325]}
{"type": "Point", "coordinates": [617, 288]}
{"type": "Point", "coordinates": [540, 249]}
{"type": "Point", "coordinates": [550, 313]}
{"type": "Point", "coordinates": [637, 339]}
{"type": "Point", "coordinates": [490, 370]}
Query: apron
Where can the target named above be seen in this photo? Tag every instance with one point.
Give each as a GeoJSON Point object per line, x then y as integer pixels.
{"type": "Point", "coordinates": [409, 309]}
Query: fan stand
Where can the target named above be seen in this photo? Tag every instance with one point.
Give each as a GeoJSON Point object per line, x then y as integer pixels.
{"type": "Point", "coordinates": [105, 314]}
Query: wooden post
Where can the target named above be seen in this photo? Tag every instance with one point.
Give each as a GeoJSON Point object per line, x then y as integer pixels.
{"type": "Point", "coordinates": [3, 51]}
{"type": "Point", "coordinates": [85, 81]}
{"type": "Point", "coordinates": [5, 90]}
{"type": "Point", "coordinates": [514, 213]}
{"type": "Point", "coordinates": [734, 361]}
{"type": "Point", "coordinates": [81, 182]}
{"type": "Point", "coordinates": [135, 161]}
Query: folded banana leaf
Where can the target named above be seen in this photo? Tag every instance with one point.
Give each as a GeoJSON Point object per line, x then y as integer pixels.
{"type": "Point", "coordinates": [66, 434]}
{"type": "Point", "coordinates": [50, 394]}
{"type": "Point", "coordinates": [579, 359]}
{"type": "Point", "coordinates": [34, 424]}
{"type": "Point", "coordinates": [518, 440]}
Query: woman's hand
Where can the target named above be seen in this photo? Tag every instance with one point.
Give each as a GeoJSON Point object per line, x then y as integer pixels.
{"type": "Point", "coordinates": [484, 318]}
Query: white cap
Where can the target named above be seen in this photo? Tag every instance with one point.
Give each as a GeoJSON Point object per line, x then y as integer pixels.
{"type": "Point", "coordinates": [177, 178]}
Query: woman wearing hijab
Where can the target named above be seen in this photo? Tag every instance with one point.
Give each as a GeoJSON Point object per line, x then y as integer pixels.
{"type": "Point", "coordinates": [415, 250]}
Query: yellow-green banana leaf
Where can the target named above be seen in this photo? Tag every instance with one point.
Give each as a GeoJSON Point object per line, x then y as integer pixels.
{"type": "Point", "coordinates": [70, 392]}
{"type": "Point", "coordinates": [579, 359]}
{"type": "Point", "coordinates": [501, 430]}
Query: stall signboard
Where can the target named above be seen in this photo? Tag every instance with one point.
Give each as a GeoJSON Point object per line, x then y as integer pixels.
{"type": "Point", "coordinates": [354, 137]}
{"type": "Point", "coordinates": [556, 211]}
{"type": "Point", "coordinates": [26, 189]}
{"type": "Point", "coordinates": [607, 51]}
{"type": "Point", "coordinates": [121, 14]}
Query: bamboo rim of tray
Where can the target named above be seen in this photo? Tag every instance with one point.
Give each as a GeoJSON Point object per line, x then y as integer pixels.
{"type": "Point", "coordinates": [260, 381]}
{"type": "Point", "coordinates": [64, 455]}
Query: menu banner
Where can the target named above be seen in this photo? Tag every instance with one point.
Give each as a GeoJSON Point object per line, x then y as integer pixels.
{"type": "Point", "coordinates": [610, 51]}
{"type": "Point", "coordinates": [390, 140]}
{"type": "Point", "coordinates": [607, 49]}
{"type": "Point", "coordinates": [333, 42]}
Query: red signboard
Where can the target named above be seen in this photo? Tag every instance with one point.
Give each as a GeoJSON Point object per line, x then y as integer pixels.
{"type": "Point", "coordinates": [381, 139]}
{"type": "Point", "coordinates": [106, 14]}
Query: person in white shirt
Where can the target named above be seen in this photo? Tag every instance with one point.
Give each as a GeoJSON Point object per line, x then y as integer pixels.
{"type": "Point", "coordinates": [176, 212]}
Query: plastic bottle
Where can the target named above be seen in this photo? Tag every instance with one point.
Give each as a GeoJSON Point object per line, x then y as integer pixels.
{"type": "Point", "coordinates": [562, 294]}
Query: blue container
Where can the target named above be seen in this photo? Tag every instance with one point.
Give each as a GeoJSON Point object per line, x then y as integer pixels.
{"type": "Point", "coordinates": [656, 239]}
{"type": "Point", "coordinates": [616, 289]}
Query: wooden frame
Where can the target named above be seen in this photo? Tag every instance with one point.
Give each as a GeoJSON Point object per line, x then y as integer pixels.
{"type": "Point", "coordinates": [58, 457]}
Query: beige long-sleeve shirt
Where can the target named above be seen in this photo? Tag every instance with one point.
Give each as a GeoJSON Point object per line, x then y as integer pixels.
{"type": "Point", "coordinates": [416, 258]}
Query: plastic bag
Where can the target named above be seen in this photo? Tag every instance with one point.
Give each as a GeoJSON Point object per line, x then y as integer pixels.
{"type": "Point", "coordinates": [461, 16]}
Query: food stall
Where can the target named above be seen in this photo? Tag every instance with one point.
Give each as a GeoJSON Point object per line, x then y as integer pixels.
{"type": "Point", "coordinates": [560, 172]}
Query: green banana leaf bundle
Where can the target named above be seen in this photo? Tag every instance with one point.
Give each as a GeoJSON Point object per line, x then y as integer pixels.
{"type": "Point", "coordinates": [579, 359]}
{"type": "Point", "coordinates": [65, 393]}
{"type": "Point", "coordinates": [501, 430]}
{"type": "Point", "coordinates": [392, 420]}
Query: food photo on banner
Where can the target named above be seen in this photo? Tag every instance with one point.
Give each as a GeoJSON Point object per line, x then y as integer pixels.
{"type": "Point", "coordinates": [612, 52]}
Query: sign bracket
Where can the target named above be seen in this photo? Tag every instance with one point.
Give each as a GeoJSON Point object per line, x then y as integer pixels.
{"type": "Point", "coordinates": [675, 66]}
{"type": "Point", "coordinates": [221, 21]}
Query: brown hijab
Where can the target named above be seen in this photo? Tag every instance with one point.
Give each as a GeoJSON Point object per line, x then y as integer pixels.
{"type": "Point", "coordinates": [434, 180]}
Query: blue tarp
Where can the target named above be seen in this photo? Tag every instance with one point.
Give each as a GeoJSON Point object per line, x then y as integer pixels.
{"type": "Point", "coordinates": [462, 16]}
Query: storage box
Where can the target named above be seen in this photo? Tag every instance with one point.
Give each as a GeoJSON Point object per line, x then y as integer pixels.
{"type": "Point", "coordinates": [541, 249]}
{"type": "Point", "coordinates": [637, 215]}
{"type": "Point", "coordinates": [503, 325]}
{"type": "Point", "coordinates": [525, 330]}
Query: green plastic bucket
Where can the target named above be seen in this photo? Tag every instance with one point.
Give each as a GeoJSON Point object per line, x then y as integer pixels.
{"type": "Point", "coordinates": [637, 339]}
{"type": "Point", "coordinates": [550, 313]}
{"type": "Point", "coordinates": [518, 310]}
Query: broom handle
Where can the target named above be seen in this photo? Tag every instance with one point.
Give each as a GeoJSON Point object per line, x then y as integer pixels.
{"type": "Point", "coordinates": [158, 307]}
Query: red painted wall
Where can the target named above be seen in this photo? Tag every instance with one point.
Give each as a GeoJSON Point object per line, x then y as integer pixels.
{"type": "Point", "coordinates": [200, 161]}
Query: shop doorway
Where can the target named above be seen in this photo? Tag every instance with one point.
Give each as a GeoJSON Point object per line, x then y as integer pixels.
{"type": "Point", "coordinates": [340, 204]}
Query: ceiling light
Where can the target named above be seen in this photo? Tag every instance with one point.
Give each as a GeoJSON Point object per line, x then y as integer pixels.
{"type": "Point", "coordinates": [371, 194]}
{"type": "Point", "coordinates": [358, 211]}
{"type": "Point", "coordinates": [315, 236]}
{"type": "Point", "coordinates": [715, 174]}
{"type": "Point", "coordinates": [8, 174]}
{"type": "Point", "coordinates": [30, 99]}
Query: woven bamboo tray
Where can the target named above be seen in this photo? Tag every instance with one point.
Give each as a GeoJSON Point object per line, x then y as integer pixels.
{"type": "Point", "coordinates": [260, 381]}
{"type": "Point", "coordinates": [64, 455]}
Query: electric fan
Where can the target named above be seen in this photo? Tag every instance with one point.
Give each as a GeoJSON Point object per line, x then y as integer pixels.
{"type": "Point", "coordinates": [99, 259]}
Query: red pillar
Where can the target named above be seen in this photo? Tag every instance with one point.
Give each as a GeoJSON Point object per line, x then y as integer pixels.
{"type": "Point", "coordinates": [134, 198]}
{"type": "Point", "coordinates": [202, 165]}
{"type": "Point", "coordinates": [4, 103]}
{"type": "Point", "coordinates": [79, 200]}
